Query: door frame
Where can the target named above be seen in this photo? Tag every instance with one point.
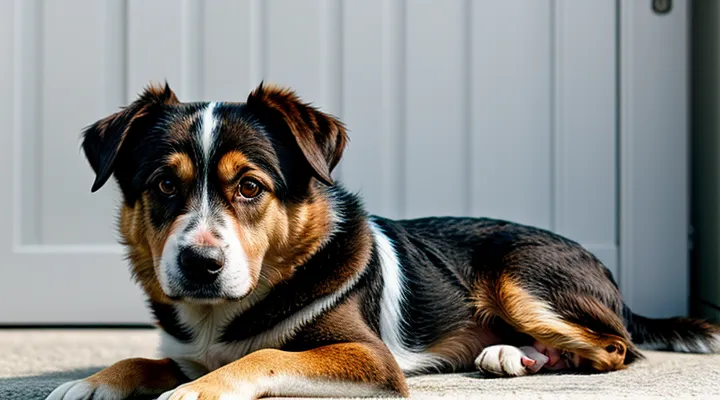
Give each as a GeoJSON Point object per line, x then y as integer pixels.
{"type": "Point", "coordinates": [653, 129]}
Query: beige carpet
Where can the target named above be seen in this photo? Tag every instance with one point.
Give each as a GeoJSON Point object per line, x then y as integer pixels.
{"type": "Point", "coordinates": [33, 362]}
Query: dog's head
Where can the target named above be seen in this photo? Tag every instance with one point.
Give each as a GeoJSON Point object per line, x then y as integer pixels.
{"type": "Point", "coordinates": [217, 196]}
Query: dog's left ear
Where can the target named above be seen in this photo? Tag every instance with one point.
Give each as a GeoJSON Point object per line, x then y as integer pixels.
{"type": "Point", "coordinates": [321, 137]}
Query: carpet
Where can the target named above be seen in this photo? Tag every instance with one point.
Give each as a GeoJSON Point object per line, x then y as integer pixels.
{"type": "Point", "coordinates": [33, 362]}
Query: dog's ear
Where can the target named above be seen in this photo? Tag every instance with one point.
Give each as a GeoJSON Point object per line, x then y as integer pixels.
{"type": "Point", "coordinates": [103, 140]}
{"type": "Point", "coordinates": [321, 137]}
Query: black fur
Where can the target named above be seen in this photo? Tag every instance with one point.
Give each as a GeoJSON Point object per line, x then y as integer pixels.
{"type": "Point", "coordinates": [166, 318]}
{"type": "Point", "coordinates": [442, 260]}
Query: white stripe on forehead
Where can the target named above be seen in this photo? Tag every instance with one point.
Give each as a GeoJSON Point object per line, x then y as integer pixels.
{"type": "Point", "coordinates": [208, 126]}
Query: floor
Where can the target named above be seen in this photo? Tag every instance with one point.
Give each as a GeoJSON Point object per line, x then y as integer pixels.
{"type": "Point", "coordinates": [33, 362]}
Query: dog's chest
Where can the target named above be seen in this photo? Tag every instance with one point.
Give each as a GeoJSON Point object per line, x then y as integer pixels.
{"type": "Point", "coordinates": [207, 351]}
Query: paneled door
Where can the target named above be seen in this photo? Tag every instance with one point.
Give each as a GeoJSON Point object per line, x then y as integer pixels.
{"type": "Point", "coordinates": [506, 109]}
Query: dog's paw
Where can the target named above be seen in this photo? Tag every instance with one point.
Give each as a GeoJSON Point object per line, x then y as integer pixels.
{"type": "Point", "coordinates": [84, 390]}
{"type": "Point", "coordinates": [202, 391]}
{"type": "Point", "coordinates": [504, 360]}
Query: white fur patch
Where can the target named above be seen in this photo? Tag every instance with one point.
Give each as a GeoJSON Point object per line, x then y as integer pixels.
{"type": "Point", "coordinates": [208, 127]}
{"type": "Point", "coordinates": [297, 386]}
{"type": "Point", "coordinates": [181, 394]}
{"type": "Point", "coordinates": [391, 319]}
{"type": "Point", "coordinates": [81, 389]}
{"type": "Point", "coordinates": [281, 386]}
{"type": "Point", "coordinates": [502, 360]}
{"type": "Point", "coordinates": [684, 345]}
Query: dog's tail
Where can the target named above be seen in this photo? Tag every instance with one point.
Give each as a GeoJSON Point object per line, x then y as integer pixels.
{"type": "Point", "coordinates": [683, 335]}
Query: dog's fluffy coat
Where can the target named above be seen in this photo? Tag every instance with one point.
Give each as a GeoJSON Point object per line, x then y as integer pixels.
{"type": "Point", "coordinates": [313, 296]}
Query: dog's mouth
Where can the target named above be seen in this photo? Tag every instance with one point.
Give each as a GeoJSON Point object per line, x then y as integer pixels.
{"type": "Point", "coordinates": [204, 298]}
{"type": "Point", "coordinates": [188, 291]}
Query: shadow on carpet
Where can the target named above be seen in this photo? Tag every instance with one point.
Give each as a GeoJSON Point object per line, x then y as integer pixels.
{"type": "Point", "coordinates": [37, 387]}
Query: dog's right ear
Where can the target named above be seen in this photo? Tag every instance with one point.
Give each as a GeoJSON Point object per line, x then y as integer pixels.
{"type": "Point", "coordinates": [103, 140]}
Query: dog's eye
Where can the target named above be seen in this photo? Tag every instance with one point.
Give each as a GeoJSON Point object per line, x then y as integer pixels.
{"type": "Point", "coordinates": [167, 187]}
{"type": "Point", "coordinates": [249, 188]}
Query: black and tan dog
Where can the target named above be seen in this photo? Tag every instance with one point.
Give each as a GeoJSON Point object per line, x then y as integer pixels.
{"type": "Point", "coordinates": [266, 278]}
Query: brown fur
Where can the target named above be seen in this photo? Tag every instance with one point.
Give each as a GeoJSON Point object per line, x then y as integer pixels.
{"type": "Point", "coordinates": [321, 137]}
{"type": "Point", "coordinates": [230, 164]}
{"type": "Point", "coordinates": [139, 376]}
{"type": "Point", "coordinates": [463, 345]}
{"type": "Point", "coordinates": [531, 316]}
{"type": "Point", "coordinates": [182, 166]}
{"type": "Point", "coordinates": [358, 363]}
{"type": "Point", "coordinates": [307, 226]}
{"type": "Point", "coordinates": [134, 229]}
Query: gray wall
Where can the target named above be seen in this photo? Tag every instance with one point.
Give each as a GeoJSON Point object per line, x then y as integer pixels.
{"type": "Point", "coordinates": [522, 110]}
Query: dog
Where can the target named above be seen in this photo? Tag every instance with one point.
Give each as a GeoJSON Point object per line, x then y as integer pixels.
{"type": "Point", "coordinates": [267, 278]}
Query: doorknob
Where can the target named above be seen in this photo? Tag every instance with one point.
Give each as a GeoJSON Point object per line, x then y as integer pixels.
{"type": "Point", "coordinates": [662, 6]}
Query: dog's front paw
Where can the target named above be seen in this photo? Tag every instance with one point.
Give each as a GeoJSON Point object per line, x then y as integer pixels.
{"type": "Point", "coordinates": [504, 360]}
{"type": "Point", "coordinates": [84, 390]}
{"type": "Point", "coordinates": [199, 390]}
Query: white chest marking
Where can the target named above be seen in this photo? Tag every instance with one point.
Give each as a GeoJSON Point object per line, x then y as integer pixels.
{"type": "Point", "coordinates": [391, 318]}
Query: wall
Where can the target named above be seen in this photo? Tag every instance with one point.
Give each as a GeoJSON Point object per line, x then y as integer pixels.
{"type": "Point", "coordinates": [507, 109]}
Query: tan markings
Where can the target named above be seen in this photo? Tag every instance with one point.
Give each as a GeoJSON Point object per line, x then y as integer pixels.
{"type": "Point", "coordinates": [529, 315]}
{"type": "Point", "coordinates": [145, 245]}
{"type": "Point", "coordinates": [133, 231]}
{"type": "Point", "coordinates": [307, 226]}
{"type": "Point", "coordinates": [230, 164]}
{"type": "Point", "coordinates": [262, 372]}
{"type": "Point", "coordinates": [182, 166]}
{"type": "Point", "coordinates": [138, 376]}
{"type": "Point", "coordinates": [461, 346]}
{"type": "Point", "coordinates": [484, 298]}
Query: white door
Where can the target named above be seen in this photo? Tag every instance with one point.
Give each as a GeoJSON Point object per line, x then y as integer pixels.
{"type": "Point", "coordinates": [501, 108]}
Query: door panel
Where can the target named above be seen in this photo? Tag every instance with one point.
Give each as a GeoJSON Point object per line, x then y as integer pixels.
{"type": "Point", "coordinates": [451, 110]}
{"type": "Point", "coordinates": [654, 154]}
{"type": "Point", "coordinates": [436, 133]}
{"type": "Point", "coordinates": [58, 258]}
{"type": "Point", "coordinates": [511, 108]}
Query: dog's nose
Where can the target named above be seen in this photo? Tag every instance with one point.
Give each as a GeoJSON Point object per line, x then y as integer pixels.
{"type": "Point", "coordinates": [201, 264]}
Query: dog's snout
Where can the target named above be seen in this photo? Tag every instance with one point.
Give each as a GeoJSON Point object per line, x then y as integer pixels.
{"type": "Point", "coordinates": [201, 264]}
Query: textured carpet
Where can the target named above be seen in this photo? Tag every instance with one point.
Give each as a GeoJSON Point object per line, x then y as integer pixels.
{"type": "Point", "coordinates": [33, 362]}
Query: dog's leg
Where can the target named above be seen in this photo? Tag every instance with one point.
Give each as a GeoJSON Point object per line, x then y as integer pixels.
{"type": "Point", "coordinates": [507, 360]}
{"type": "Point", "coordinates": [600, 350]}
{"type": "Point", "coordinates": [338, 370]}
{"type": "Point", "coordinates": [124, 379]}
